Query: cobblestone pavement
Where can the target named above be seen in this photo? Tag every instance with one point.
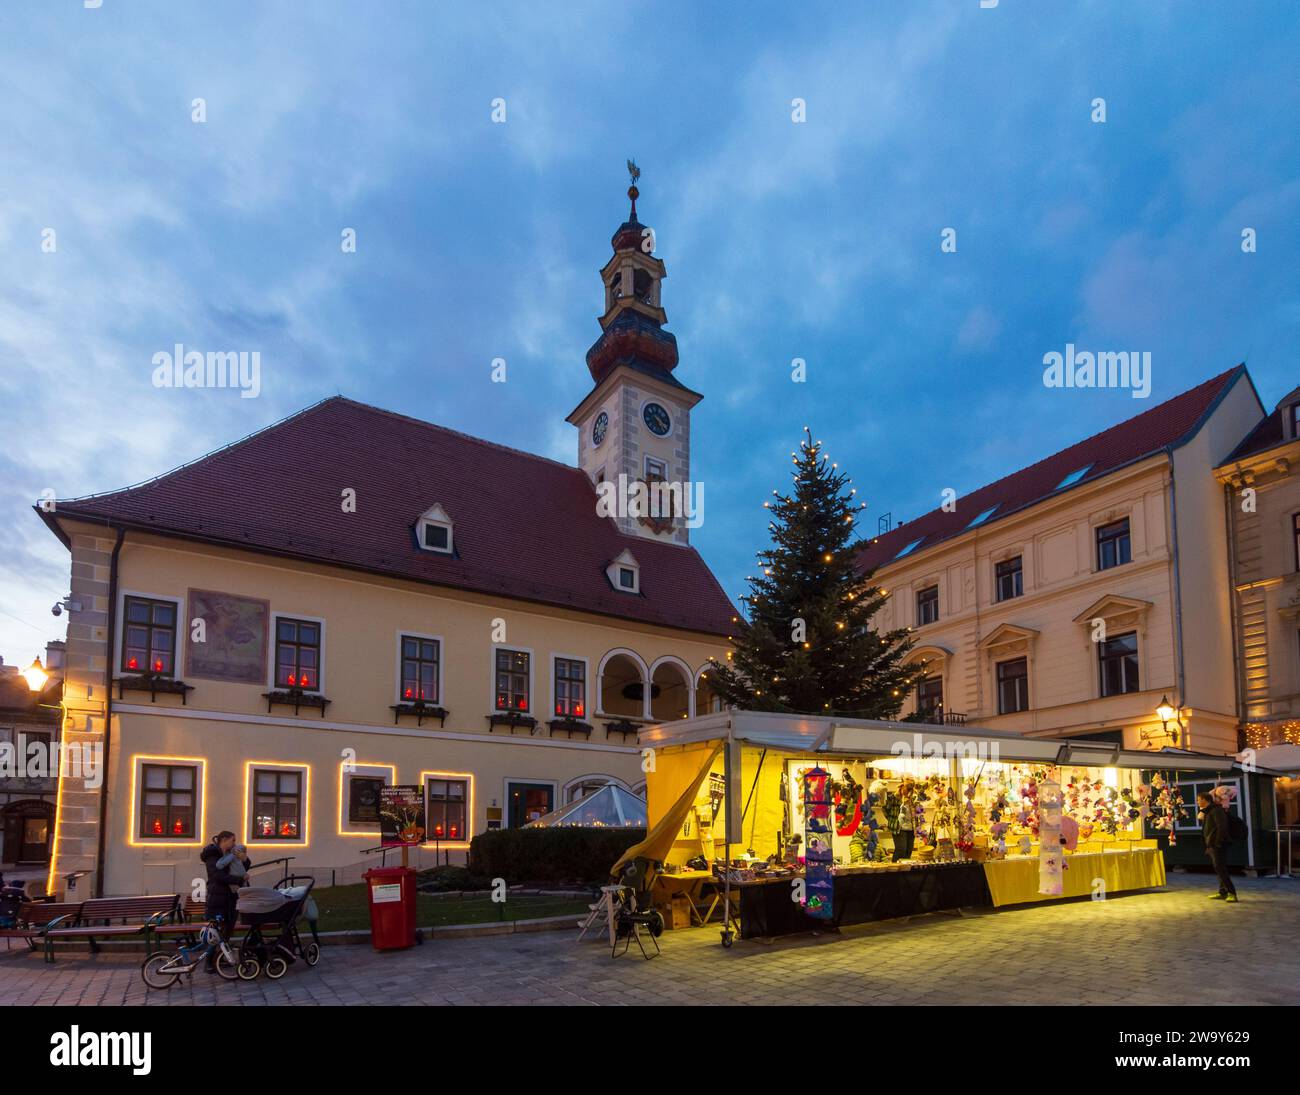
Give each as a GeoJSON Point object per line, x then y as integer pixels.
{"type": "Point", "coordinates": [1163, 947]}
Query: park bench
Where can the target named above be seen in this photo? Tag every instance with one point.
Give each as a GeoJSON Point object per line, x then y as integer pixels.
{"type": "Point", "coordinates": [35, 916]}
{"type": "Point", "coordinates": [113, 918]}
{"type": "Point", "coordinates": [193, 916]}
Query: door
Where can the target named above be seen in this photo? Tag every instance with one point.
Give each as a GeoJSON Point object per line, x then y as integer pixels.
{"type": "Point", "coordinates": [529, 801]}
{"type": "Point", "coordinates": [27, 832]}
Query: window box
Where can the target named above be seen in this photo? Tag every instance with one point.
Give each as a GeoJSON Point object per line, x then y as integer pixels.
{"type": "Point", "coordinates": [420, 710]}
{"type": "Point", "coordinates": [571, 726]}
{"type": "Point", "coordinates": [295, 697]}
{"type": "Point", "coordinates": [511, 719]}
{"type": "Point", "coordinates": [153, 683]}
{"type": "Point", "coordinates": [623, 727]}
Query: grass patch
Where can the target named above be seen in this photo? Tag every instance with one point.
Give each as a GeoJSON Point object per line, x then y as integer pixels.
{"type": "Point", "coordinates": [346, 908]}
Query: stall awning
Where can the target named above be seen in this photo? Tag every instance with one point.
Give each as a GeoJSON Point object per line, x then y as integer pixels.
{"type": "Point", "coordinates": [877, 738]}
{"type": "Point", "coordinates": [659, 840]}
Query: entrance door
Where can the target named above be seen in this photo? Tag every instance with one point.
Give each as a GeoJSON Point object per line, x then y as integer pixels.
{"type": "Point", "coordinates": [529, 801]}
{"type": "Point", "coordinates": [27, 832]}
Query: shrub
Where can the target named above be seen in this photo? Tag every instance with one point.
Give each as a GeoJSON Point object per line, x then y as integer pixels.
{"type": "Point", "coordinates": [449, 878]}
{"type": "Point", "coordinates": [550, 855]}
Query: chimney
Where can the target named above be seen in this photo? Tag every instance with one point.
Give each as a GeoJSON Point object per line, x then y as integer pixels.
{"type": "Point", "coordinates": [55, 656]}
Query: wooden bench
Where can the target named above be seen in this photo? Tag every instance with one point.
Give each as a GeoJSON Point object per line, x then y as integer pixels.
{"type": "Point", "coordinates": [35, 916]}
{"type": "Point", "coordinates": [95, 920]}
{"type": "Point", "coordinates": [192, 919]}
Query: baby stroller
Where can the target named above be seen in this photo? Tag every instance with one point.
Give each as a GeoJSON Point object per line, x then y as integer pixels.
{"type": "Point", "coordinates": [262, 909]}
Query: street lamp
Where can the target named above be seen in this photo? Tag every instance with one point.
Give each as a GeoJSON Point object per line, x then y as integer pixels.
{"type": "Point", "coordinates": [35, 676]}
{"type": "Point", "coordinates": [1165, 712]}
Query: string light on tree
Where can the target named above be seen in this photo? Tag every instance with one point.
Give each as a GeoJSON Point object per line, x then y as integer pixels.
{"type": "Point", "coordinates": [837, 662]}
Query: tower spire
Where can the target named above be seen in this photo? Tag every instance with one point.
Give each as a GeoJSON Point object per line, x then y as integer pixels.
{"type": "Point", "coordinates": [634, 173]}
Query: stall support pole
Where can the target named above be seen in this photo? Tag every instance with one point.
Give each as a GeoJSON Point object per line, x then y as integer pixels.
{"type": "Point", "coordinates": [726, 893]}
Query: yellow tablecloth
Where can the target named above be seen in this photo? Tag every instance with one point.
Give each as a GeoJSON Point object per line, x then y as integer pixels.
{"type": "Point", "coordinates": [1015, 881]}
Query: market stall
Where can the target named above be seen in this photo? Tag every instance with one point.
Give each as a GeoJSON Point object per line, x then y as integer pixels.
{"type": "Point", "coordinates": [811, 823]}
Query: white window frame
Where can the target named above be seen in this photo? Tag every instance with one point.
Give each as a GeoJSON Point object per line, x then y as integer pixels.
{"type": "Point", "coordinates": [492, 678]}
{"type": "Point", "coordinates": [386, 772]}
{"type": "Point", "coordinates": [251, 767]}
{"type": "Point", "coordinates": [438, 517]}
{"type": "Point", "coordinates": [138, 761]}
{"type": "Point", "coordinates": [468, 779]}
{"type": "Point", "coordinates": [442, 663]}
{"type": "Point", "coordinates": [625, 560]}
{"type": "Point", "coordinates": [538, 781]}
{"type": "Point", "coordinates": [273, 658]}
{"type": "Point", "coordinates": [119, 641]}
{"type": "Point", "coordinates": [586, 684]}
{"type": "Point", "coordinates": [1191, 808]}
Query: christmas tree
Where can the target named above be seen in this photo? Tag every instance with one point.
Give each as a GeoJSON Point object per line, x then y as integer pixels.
{"type": "Point", "coordinates": [808, 645]}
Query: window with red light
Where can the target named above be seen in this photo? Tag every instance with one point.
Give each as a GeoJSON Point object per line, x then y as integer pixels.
{"type": "Point", "coordinates": [570, 688]}
{"type": "Point", "coordinates": [149, 636]}
{"type": "Point", "coordinates": [420, 659]}
{"type": "Point", "coordinates": [445, 811]}
{"type": "Point", "coordinates": [167, 794]}
{"type": "Point", "coordinates": [277, 804]}
{"type": "Point", "coordinates": [297, 654]}
{"type": "Point", "coordinates": [512, 680]}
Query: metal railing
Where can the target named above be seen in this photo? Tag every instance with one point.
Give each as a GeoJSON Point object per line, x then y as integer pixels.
{"type": "Point", "coordinates": [1288, 832]}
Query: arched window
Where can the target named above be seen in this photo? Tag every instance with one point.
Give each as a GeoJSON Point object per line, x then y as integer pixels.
{"type": "Point", "coordinates": [671, 694]}
{"type": "Point", "coordinates": [622, 679]}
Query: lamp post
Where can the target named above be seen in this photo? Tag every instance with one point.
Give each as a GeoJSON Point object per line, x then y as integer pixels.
{"type": "Point", "coordinates": [36, 676]}
{"type": "Point", "coordinates": [1165, 712]}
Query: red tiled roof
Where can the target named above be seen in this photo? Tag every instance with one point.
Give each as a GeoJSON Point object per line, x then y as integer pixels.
{"type": "Point", "coordinates": [525, 527]}
{"type": "Point", "coordinates": [1165, 424]}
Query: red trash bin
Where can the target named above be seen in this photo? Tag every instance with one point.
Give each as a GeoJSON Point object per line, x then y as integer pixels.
{"type": "Point", "coordinates": [391, 891]}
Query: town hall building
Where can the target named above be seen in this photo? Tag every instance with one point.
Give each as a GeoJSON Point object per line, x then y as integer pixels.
{"type": "Point", "coordinates": [261, 639]}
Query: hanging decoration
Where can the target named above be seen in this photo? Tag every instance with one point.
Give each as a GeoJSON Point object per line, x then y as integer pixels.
{"type": "Point", "coordinates": [1051, 857]}
{"type": "Point", "coordinates": [819, 859]}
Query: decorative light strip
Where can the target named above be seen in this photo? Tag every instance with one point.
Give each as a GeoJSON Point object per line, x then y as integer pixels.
{"type": "Point", "coordinates": [357, 767]}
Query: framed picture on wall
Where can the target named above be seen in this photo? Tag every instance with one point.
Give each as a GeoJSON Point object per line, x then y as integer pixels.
{"type": "Point", "coordinates": [235, 637]}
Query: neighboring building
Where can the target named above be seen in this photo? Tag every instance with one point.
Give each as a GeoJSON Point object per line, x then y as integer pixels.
{"type": "Point", "coordinates": [1074, 595]}
{"type": "Point", "coordinates": [1262, 501]}
{"type": "Point", "coordinates": [381, 600]}
{"type": "Point", "coordinates": [29, 725]}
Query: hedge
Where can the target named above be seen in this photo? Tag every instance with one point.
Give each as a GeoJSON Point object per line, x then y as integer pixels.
{"type": "Point", "coordinates": [550, 855]}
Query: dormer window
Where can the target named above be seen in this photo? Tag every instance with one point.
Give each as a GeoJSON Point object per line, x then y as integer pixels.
{"type": "Point", "coordinates": [625, 573]}
{"type": "Point", "coordinates": [434, 530]}
{"type": "Point", "coordinates": [1295, 419]}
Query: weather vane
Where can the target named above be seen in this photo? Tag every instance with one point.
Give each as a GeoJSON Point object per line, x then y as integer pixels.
{"type": "Point", "coordinates": [633, 171]}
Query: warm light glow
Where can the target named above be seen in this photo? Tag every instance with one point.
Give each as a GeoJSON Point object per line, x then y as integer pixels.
{"type": "Point", "coordinates": [133, 820]}
{"type": "Point", "coordinates": [453, 842]}
{"type": "Point", "coordinates": [305, 769]}
{"type": "Point", "coordinates": [35, 676]}
{"type": "Point", "coordinates": [1165, 710]}
{"type": "Point", "coordinates": [357, 767]}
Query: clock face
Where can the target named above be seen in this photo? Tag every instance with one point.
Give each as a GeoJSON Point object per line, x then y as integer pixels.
{"type": "Point", "coordinates": [657, 419]}
{"type": "Point", "coordinates": [599, 427]}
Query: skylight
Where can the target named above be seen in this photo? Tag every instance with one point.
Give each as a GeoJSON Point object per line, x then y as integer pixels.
{"type": "Point", "coordinates": [983, 517]}
{"type": "Point", "coordinates": [1074, 477]}
{"type": "Point", "coordinates": [909, 549]}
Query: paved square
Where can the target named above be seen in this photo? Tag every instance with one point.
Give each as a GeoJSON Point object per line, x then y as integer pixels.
{"type": "Point", "coordinates": [1165, 947]}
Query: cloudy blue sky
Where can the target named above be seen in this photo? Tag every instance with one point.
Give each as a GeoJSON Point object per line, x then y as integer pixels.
{"type": "Point", "coordinates": [477, 240]}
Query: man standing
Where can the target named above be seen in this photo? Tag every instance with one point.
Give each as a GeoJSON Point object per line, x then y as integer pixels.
{"type": "Point", "coordinates": [1214, 831]}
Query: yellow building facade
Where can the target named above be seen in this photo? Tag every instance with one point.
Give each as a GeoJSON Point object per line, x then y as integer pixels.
{"type": "Point", "coordinates": [261, 639]}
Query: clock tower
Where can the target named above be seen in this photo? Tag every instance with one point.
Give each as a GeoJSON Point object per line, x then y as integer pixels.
{"type": "Point", "coordinates": [636, 421]}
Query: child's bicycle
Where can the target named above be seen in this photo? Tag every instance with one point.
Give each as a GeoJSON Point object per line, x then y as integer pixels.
{"type": "Point", "coordinates": [161, 971]}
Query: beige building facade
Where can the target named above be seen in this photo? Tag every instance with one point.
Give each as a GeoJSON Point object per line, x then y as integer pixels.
{"type": "Point", "coordinates": [260, 640]}
{"type": "Point", "coordinates": [1078, 595]}
{"type": "Point", "coordinates": [1261, 500]}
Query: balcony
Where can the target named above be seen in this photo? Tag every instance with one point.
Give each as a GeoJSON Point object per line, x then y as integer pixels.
{"type": "Point", "coordinates": [937, 718]}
